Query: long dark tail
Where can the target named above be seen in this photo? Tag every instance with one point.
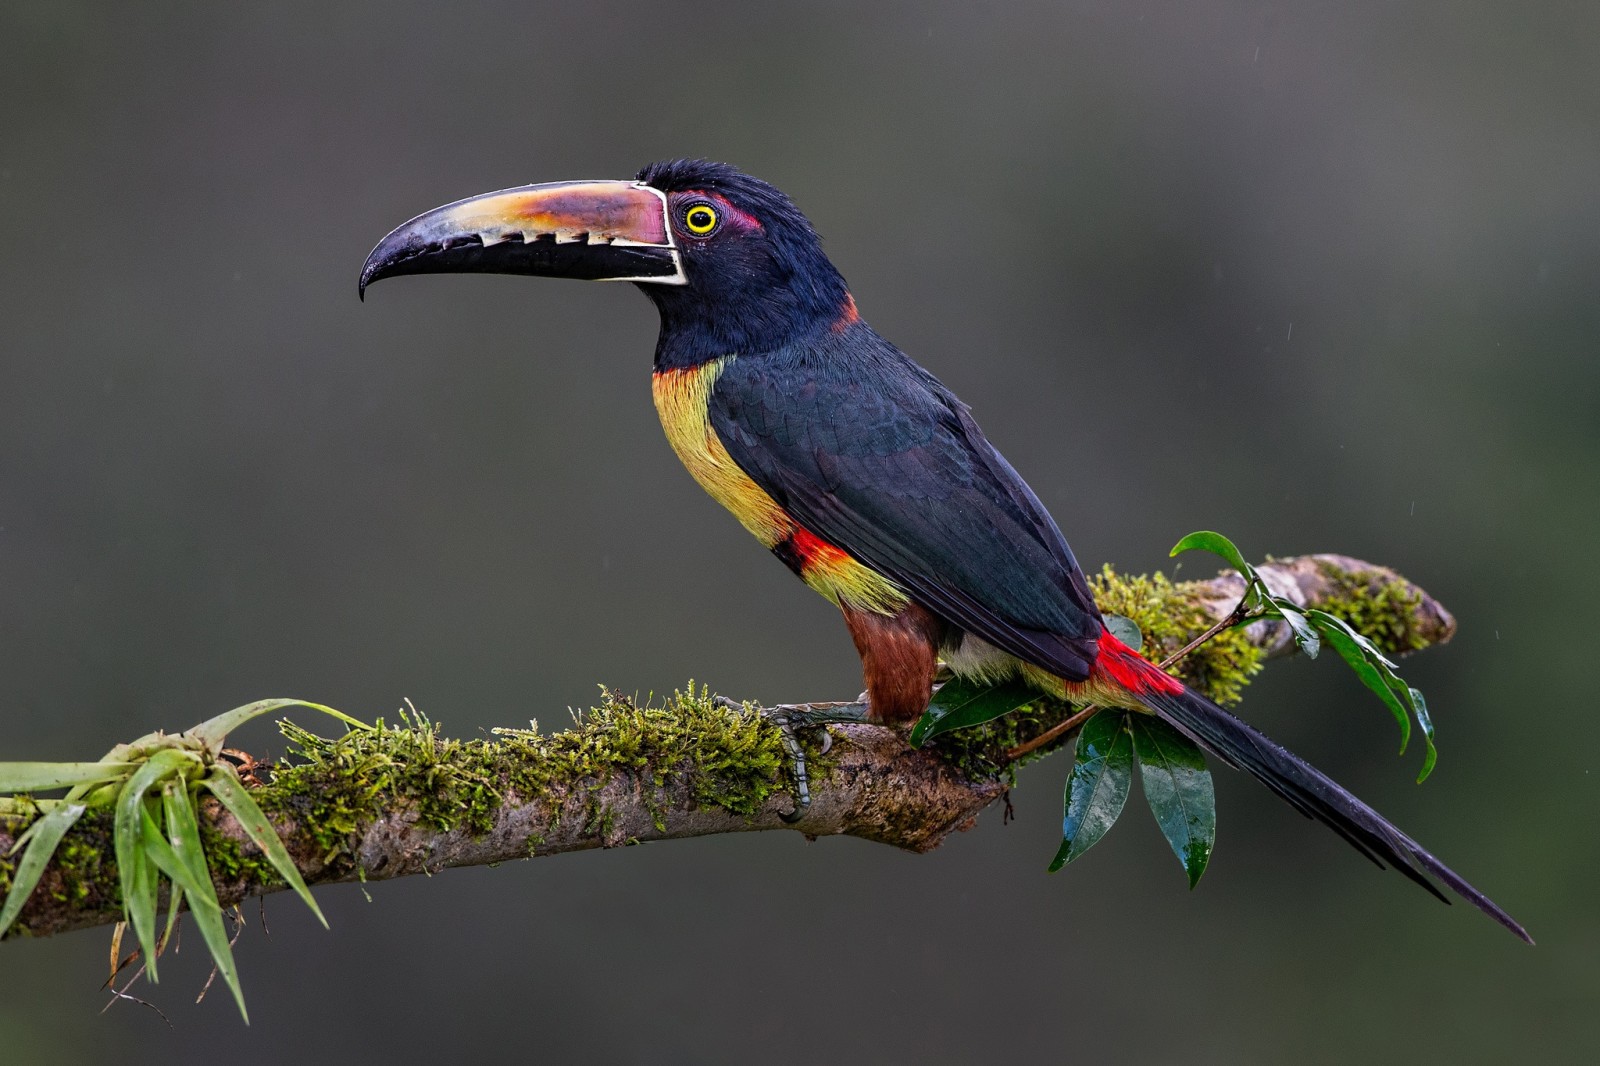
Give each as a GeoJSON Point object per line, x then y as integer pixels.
{"type": "Point", "coordinates": [1305, 787]}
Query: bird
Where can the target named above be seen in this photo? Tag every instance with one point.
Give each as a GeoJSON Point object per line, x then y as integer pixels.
{"type": "Point", "coordinates": [857, 468]}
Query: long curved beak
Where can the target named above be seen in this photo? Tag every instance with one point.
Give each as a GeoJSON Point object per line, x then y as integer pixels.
{"type": "Point", "coordinates": [592, 230]}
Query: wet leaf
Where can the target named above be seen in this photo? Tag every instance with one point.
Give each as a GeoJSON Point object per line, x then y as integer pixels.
{"type": "Point", "coordinates": [1097, 786]}
{"type": "Point", "coordinates": [960, 703]}
{"type": "Point", "coordinates": [1177, 786]}
{"type": "Point", "coordinates": [1419, 707]}
{"type": "Point", "coordinates": [1305, 634]}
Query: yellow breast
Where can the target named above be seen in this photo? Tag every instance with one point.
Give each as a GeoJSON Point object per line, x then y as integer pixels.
{"type": "Point", "coordinates": [683, 399]}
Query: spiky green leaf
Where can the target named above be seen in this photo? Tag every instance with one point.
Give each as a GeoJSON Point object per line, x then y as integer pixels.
{"type": "Point", "coordinates": [185, 832]}
{"type": "Point", "coordinates": [213, 731]}
{"type": "Point", "coordinates": [162, 852]}
{"type": "Point", "coordinates": [224, 783]}
{"type": "Point", "coordinates": [43, 776]}
{"type": "Point", "coordinates": [136, 869]}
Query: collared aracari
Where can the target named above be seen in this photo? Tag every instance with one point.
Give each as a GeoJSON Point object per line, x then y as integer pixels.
{"type": "Point", "coordinates": [851, 463]}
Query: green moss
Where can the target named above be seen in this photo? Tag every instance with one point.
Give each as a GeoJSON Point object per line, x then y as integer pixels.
{"type": "Point", "coordinates": [83, 866]}
{"type": "Point", "coordinates": [229, 860]}
{"type": "Point", "coordinates": [725, 758]}
{"type": "Point", "coordinates": [1378, 606]}
{"type": "Point", "coordinates": [87, 872]}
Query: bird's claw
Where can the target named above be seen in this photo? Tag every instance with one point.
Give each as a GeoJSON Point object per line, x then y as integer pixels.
{"type": "Point", "coordinates": [791, 719]}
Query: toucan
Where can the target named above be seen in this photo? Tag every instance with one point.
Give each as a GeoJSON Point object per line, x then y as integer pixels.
{"type": "Point", "coordinates": [852, 464]}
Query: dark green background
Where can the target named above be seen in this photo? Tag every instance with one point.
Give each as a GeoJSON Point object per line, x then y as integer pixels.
{"type": "Point", "coordinates": [1322, 277]}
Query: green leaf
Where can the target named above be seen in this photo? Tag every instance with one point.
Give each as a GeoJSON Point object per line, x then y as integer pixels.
{"type": "Point", "coordinates": [135, 867]}
{"type": "Point", "coordinates": [1305, 634]}
{"type": "Point", "coordinates": [1177, 786]}
{"type": "Point", "coordinates": [1369, 664]}
{"type": "Point", "coordinates": [1125, 629]}
{"type": "Point", "coordinates": [43, 836]}
{"type": "Point", "coordinates": [139, 902]}
{"type": "Point", "coordinates": [1217, 544]}
{"type": "Point", "coordinates": [1419, 707]}
{"type": "Point", "coordinates": [174, 796]}
{"type": "Point", "coordinates": [162, 852]}
{"type": "Point", "coordinates": [224, 783]}
{"type": "Point", "coordinates": [960, 703]}
{"type": "Point", "coordinates": [174, 908]}
{"type": "Point", "coordinates": [185, 832]}
{"type": "Point", "coordinates": [213, 731]}
{"type": "Point", "coordinates": [1256, 592]}
{"type": "Point", "coordinates": [1097, 786]}
{"type": "Point", "coordinates": [40, 776]}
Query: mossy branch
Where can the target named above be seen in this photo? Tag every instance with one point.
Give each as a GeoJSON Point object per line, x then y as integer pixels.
{"type": "Point", "coordinates": [398, 800]}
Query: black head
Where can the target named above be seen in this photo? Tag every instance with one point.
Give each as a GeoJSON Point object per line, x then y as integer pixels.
{"type": "Point", "coordinates": [756, 273]}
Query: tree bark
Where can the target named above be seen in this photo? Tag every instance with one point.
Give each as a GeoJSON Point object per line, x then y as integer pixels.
{"type": "Point", "coordinates": [426, 804]}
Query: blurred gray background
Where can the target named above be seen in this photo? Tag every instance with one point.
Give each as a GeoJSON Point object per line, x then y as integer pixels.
{"type": "Point", "coordinates": [1322, 278]}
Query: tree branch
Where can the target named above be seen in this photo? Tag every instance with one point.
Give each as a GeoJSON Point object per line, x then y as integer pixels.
{"type": "Point", "coordinates": [401, 800]}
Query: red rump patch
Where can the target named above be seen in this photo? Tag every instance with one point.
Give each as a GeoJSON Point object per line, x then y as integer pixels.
{"type": "Point", "coordinates": [1130, 670]}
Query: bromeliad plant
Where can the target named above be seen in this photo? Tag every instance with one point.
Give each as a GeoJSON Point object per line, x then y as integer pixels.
{"type": "Point", "coordinates": [153, 785]}
{"type": "Point", "coordinates": [1172, 768]}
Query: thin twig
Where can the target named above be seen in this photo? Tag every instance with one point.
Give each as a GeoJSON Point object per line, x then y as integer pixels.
{"type": "Point", "coordinates": [1013, 754]}
{"type": "Point", "coordinates": [1235, 617]}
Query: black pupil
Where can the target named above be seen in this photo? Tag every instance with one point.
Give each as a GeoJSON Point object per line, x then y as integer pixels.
{"type": "Point", "coordinates": [700, 218]}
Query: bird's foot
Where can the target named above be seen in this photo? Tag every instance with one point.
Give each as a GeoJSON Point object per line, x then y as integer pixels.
{"type": "Point", "coordinates": [793, 718]}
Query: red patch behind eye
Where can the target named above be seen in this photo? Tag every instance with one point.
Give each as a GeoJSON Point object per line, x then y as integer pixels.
{"type": "Point", "coordinates": [729, 212]}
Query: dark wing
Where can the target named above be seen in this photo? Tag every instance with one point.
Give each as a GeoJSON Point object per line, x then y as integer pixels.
{"type": "Point", "coordinates": [868, 451]}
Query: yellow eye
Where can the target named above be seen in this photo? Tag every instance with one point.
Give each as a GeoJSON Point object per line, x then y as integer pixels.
{"type": "Point", "coordinates": [700, 219]}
